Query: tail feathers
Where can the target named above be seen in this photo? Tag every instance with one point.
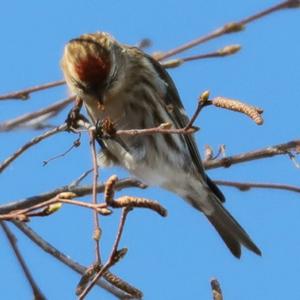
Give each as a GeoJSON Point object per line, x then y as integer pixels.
{"type": "Point", "coordinates": [230, 230]}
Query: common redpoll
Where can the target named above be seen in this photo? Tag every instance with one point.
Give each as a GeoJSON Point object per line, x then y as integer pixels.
{"type": "Point", "coordinates": [134, 91]}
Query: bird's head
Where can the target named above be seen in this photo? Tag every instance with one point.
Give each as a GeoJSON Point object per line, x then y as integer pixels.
{"type": "Point", "coordinates": [88, 64]}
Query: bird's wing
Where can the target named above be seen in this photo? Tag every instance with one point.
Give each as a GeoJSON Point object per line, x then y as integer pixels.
{"type": "Point", "coordinates": [180, 119]}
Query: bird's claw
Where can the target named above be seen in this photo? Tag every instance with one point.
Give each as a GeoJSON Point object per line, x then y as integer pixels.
{"type": "Point", "coordinates": [73, 117]}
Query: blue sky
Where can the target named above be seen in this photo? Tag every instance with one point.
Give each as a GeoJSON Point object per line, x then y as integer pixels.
{"type": "Point", "coordinates": [171, 258]}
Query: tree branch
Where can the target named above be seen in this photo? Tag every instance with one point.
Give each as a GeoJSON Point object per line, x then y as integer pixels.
{"type": "Point", "coordinates": [29, 144]}
{"type": "Point", "coordinates": [101, 208]}
{"type": "Point", "coordinates": [225, 51]}
{"type": "Point", "coordinates": [246, 186]}
{"type": "Point", "coordinates": [25, 94]}
{"type": "Point", "coordinates": [79, 191]}
{"type": "Point", "coordinates": [271, 151]}
{"type": "Point", "coordinates": [51, 110]}
{"type": "Point", "coordinates": [228, 28]}
{"type": "Point", "coordinates": [47, 247]}
{"type": "Point", "coordinates": [97, 230]}
{"type": "Point", "coordinates": [38, 295]}
{"type": "Point", "coordinates": [114, 257]}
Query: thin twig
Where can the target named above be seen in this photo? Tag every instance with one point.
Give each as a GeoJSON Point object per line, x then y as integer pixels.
{"type": "Point", "coordinates": [280, 149]}
{"type": "Point", "coordinates": [228, 28]}
{"type": "Point", "coordinates": [65, 259]}
{"type": "Point", "coordinates": [25, 94]}
{"type": "Point", "coordinates": [272, 9]}
{"type": "Point", "coordinates": [246, 186]}
{"type": "Point", "coordinates": [52, 110]}
{"type": "Point", "coordinates": [75, 144]}
{"type": "Point", "coordinates": [57, 199]}
{"type": "Point", "coordinates": [227, 50]}
{"type": "Point", "coordinates": [164, 128]}
{"type": "Point", "coordinates": [77, 181]}
{"type": "Point", "coordinates": [97, 230]}
{"type": "Point", "coordinates": [202, 102]}
{"type": "Point", "coordinates": [38, 295]}
{"type": "Point", "coordinates": [79, 191]}
{"type": "Point", "coordinates": [149, 131]}
{"type": "Point", "coordinates": [29, 144]}
{"type": "Point", "coordinates": [112, 258]}
{"type": "Point", "coordinates": [101, 208]}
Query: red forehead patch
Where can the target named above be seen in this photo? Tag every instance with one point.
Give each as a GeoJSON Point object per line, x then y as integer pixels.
{"type": "Point", "coordinates": [92, 69]}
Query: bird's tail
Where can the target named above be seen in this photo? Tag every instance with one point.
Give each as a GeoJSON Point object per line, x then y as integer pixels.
{"type": "Point", "coordinates": [229, 229]}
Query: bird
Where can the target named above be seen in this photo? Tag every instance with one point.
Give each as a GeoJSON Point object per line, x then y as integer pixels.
{"type": "Point", "coordinates": [133, 90]}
